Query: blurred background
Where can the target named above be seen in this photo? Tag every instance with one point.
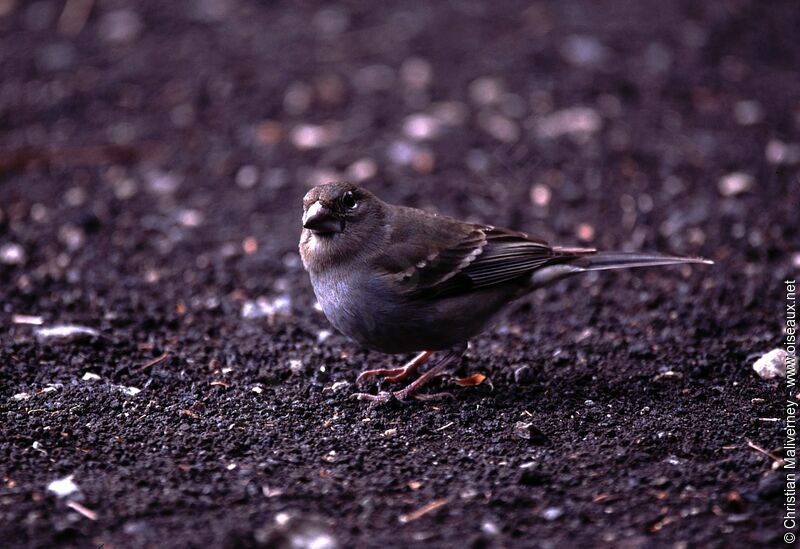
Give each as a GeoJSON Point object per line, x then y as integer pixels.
{"type": "Point", "coordinates": [148, 138]}
{"type": "Point", "coordinates": [153, 156]}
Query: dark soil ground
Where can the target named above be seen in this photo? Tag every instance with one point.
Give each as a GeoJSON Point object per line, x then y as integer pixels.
{"type": "Point", "coordinates": [153, 159]}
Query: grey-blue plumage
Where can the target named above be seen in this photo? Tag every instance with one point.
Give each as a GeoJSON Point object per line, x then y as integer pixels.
{"type": "Point", "coordinates": [398, 279]}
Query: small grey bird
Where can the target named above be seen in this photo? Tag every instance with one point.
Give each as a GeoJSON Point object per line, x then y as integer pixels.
{"type": "Point", "coordinates": [400, 280]}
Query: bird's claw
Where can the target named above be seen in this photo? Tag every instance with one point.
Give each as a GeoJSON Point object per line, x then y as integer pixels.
{"type": "Point", "coordinates": [381, 398]}
{"type": "Point", "coordinates": [389, 374]}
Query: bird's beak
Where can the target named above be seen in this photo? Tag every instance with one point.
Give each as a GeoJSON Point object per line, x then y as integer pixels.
{"type": "Point", "coordinates": [320, 219]}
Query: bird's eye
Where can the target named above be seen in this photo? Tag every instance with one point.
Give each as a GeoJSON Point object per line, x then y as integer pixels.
{"type": "Point", "coordinates": [349, 200]}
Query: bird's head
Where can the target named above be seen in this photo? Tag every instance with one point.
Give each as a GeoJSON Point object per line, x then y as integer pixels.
{"type": "Point", "coordinates": [339, 219]}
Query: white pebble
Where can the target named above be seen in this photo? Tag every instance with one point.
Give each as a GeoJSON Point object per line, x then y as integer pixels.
{"type": "Point", "coordinates": [162, 182]}
{"type": "Point", "coordinates": [735, 183]}
{"type": "Point", "coordinates": [129, 391]}
{"type": "Point", "coordinates": [486, 90]}
{"type": "Point", "coordinates": [120, 26]}
{"type": "Point", "coordinates": [361, 170]}
{"type": "Point", "coordinates": [12, 254]}
{"type": "Point", "coordinates": [63, 487]}
{"type": "Point", "coordinates": [772, 364]}
{"type": "Point", "coordinates": [416, 73]}
{"type": "Point", "coordinates": [501, 128]}
{"type": "Point", "coordinates": [247, 177]}
{"type": "Point", "coordinates": [310, 136]}
{"type": "Point", "coordinates": [577, 121]}
{"type": "Point", "coordinates": [420, 127]}
{"type": "Point", "coordinates": [270, 308]}
{"type": "Point", "coordinates": [583, 51]}
{"type": "Point", "coordinates": [778, 152]}
{"type": "Point", "coordinates": [552, 513]}
{"type": "Point", "coordinates": [402, 152]}
{"type": "Point", "coordinates": [27, 319]}
{"type": "Point", "coordinates": [190, 218]}
{"type": "Point", "coordinates": [89, 376]}
{"type": "Point", "coordinates": [66, 332]}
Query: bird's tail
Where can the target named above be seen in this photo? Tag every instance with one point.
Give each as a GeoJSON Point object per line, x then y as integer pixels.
{"type": "Point", "coordinates": [568, 261]}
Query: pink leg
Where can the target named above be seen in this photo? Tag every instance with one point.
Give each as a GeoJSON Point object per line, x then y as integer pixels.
{"type": "Point", "coordinates": [413, 388]}
{"type": "Point", "coordinates": [393, 375]}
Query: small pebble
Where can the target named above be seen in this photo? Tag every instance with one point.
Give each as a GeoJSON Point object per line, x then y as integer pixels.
{"type": "Point", "coordinates": [361, 170]}
{"type": "Point", "coordinates": [541, 195]}
{"type": "Point", "coordinates": [668, 375]}
{"type": "Point", "coordinates": [331, 21]}
{"type": "Point", "coordinates": [269, 308]}
{"type": "Point", "coordinates": [190, 218]}
{"type": "Point", "coordinates": [63, 487]}
{"type": "Point", "coordinates": [552, 513]}
{"type": "Point", "coordinates": [269, 132]}
{"type": "Point", "coordinates": [735, 183]}
{"type": "Point", "coordinates": [772, 364]}
{"type": "Point", "coordinates": [72, 236]}
{"type": "Point", "coordinates": [424, 162]}
{"type": "Point", "coordinates": [66, 333]}
{"type": "Point", "coordinates": [528, 431]}
{"type": "Point", "coordinates": [12, 254]}
{"type": "Point", "coordinates": [162, 182]}
{"type": "Point", "coordinates": [120, 26]}
{"type": "Point", "coordinates": [486, 90]}
{"type": "Point", "coordinates": [585, 232]}
{"type": "Point", "coordinates": [778, 152]}
{"type": "Point", "coordinates": [310, 136]}
{"type": "Point", "coordinates": [338, 386]}
{"type": "Point", "coordinates": [129, 391]}
{"type": "Point", "coordinates": [501, 128]}
{"type": "Point", "coordinates": [449, 113]}
{"type": "Point", "coordinates": [401, 152]}
{"type": "Point", "coordinates": [89, 376]}
{"type": "Point", "coordinates": [295, 366]}
{"type": "Point", "coordinates": [416, 73]}
{"type": "Point", "coordinates": [575, 121]}
{"type": "Point", "coordinates": [420, 127]}
{"type": "Point", "coordinates": [297, 99]}
{"type": "Point", "coordinates": [747, 113]}
{"type": "Point", "coordinates": [247, 177]}
{"type": "Point", "coordinates": [583, 51]}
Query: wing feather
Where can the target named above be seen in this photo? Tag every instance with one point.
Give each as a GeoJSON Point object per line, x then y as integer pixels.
{"type": "Point", "coordinates": [444, 257]}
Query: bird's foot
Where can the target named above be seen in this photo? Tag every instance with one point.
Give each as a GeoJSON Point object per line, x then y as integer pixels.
{"type": "Point", "coordinates": [412, 389]}
{"type": "Point", "coordinates": [393, 375]}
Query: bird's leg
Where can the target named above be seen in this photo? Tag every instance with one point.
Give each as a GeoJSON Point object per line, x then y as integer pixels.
{"type": "Point", "coordinates": [393, 375]}
{"type": "Point", "coordinates": [413, 388]}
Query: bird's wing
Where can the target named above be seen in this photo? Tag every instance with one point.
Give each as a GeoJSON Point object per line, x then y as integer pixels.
{"type": "Point", "coordinates": [437, 256]}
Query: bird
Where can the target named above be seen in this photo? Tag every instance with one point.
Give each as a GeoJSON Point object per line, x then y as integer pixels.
{"type": "Point", "coordinates": [398, 280]}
